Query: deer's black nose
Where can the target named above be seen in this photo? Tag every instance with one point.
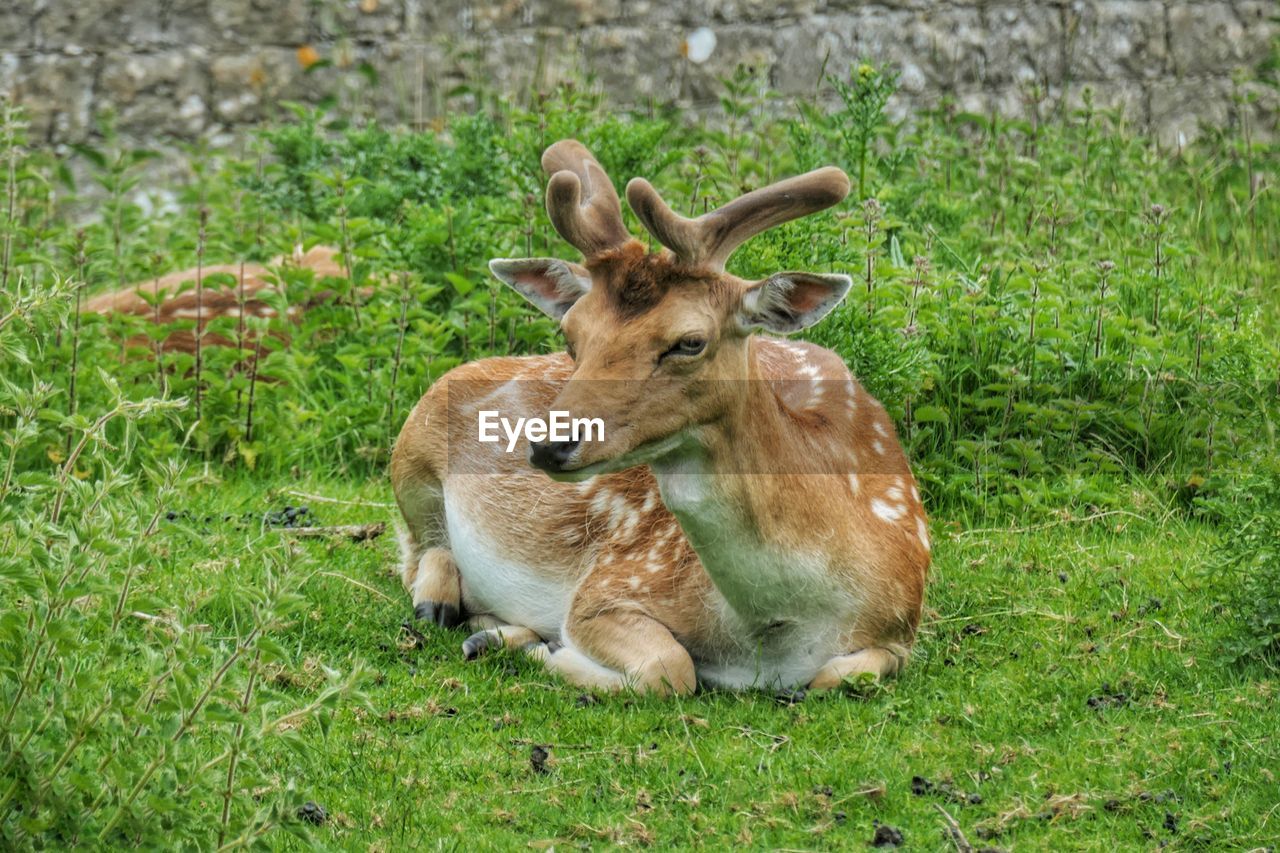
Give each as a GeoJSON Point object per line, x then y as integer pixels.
{"type": "Point", "coordinates": [551, 455]}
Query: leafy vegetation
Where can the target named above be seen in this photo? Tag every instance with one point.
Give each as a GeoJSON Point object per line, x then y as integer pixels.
{"type": "Point", "coordinates": [1247, 562]}
{"type": "Point", "coordinates": [1074, 328]}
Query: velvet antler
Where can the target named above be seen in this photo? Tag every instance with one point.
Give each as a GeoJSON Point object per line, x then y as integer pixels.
{"type": "Point", "coordinates": [710, 239]}
{"type": "Point", "coordinates": [581, 201]}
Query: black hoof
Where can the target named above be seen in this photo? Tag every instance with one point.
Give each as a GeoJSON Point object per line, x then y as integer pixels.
{"type": "Point", "coordinates": [444, 615]}
{"type": "Point", "coordinates": [476, 644]}
{"type": "Point", "coordinates": [553, 647]}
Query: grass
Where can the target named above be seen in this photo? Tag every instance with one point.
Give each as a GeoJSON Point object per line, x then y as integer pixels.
{"type": "Point", "coordinates": [1067, 676]}
{"type": "Point", "coordinates": [1073, 328]}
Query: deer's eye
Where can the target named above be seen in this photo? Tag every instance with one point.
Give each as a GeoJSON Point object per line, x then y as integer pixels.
{"type": "Point", "coordinates": [686, 347]}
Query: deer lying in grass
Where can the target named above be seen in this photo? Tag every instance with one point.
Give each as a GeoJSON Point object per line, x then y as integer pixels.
{"type": "Point", "coordinates": [250, 283]}
{"type": "Point", "coordinates": [749, 518]}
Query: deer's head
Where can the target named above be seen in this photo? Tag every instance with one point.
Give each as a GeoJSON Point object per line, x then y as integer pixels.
{"type": "Point", "coordinates": [660, 340]}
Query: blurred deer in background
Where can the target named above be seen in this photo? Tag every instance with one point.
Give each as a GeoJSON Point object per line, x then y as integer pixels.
{"type": "Point", "coordinates": [749, 518]}
{"type": "Point", "coordinates": [164, 300]}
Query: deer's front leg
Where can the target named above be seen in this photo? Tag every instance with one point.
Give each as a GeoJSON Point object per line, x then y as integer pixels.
{"type": "Point", "coordinates": [435, 587]}
{"type": "Point", "coordinates": [878, 661]}
{"type": "Point", "coordinates": [493, 633]}
{"type": "Point", "coordinates": [617, 648]}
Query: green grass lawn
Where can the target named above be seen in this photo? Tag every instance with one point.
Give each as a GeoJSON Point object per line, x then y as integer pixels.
{"type": "Point", "coordinates": [1065, 693]}
{"type": "Point", "coordinates": [1073, 329]}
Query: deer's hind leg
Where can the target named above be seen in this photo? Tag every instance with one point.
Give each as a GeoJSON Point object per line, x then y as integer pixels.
{"type": "Point", "coordinates": [427, 568]}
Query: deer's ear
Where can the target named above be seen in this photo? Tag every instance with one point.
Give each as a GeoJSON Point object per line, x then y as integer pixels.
{"type": "Point", "coordinates": [551, 284]}
{"type": "Point", "coordinates": [791, 301]}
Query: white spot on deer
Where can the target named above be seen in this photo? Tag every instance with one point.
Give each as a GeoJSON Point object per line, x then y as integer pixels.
{"type": "Point", "coordinates": [600, 502]}
{"type": "Point", "coordinates": [915, 494]}
{"type": "Point", "coordinates": [894, 494]}
{"type": "Point", "coordinates": [652, 566]}
{"type": "Point", "coordinates": [887, 512]}
{"type": "Point", "coordinates": [879, 428]}
{"type": "Point", "coordinates": [878, 447]}
{"type": "Point", "coordinates": [853, 483]}
{"type": "Point", "coordinates": [650, 501]}
{"type": "Point", "coordinates": [629, 521]}
{"type": "Point", "coordinates": [634, 582]}
{"type": "Point", "coordinates": [922, 530]}
{"type": "Point", "coordinates": [266, 311]}
{"type": "Point", "coordinates": [606, 559]}
{"type": "Point", "coordinates": [618, 512]}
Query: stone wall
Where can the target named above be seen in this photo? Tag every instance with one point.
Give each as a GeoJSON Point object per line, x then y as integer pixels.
{"type": "Point", "coordinates": [189, 69]}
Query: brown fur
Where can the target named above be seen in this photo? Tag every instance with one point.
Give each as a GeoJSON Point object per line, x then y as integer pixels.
{"type": "Point", "coordinates": [637, 280]}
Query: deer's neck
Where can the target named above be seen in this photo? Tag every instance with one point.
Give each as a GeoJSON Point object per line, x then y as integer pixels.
{"type": "Point", "coordinates": [727, 485]}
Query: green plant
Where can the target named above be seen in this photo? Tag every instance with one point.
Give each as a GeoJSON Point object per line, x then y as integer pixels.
{"type": "Point", "coordinates": [1245, 566]}
{"type": "Point", "coordinates": [865, 94]}
{"type": "Point", "coordinates": [119, 711]}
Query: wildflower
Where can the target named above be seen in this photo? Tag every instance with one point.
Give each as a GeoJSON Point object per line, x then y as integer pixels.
{"type": "Point", "coordinates": [308, 56]}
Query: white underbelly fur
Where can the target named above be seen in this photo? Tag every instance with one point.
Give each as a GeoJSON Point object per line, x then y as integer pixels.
{"type": "Point", "coordinates": [791, 657]}
{"type": "Point", "coordinates": [493, 584]}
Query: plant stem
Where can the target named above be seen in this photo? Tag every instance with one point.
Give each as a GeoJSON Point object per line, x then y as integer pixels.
{"type": "Point", "coordinates": [237, 740]}
{"type": "Point", "coordinates": [75, 331]}
{"type": "Point", "coordinates": [341, 190]}
{"type": "Point", "coordinates": [199, 334]}
{"type": "Point", "coordinates": [11, 190]}
{"type": "Point", "coordinates": [395, 363]}
{"type": "Point", "coordinates": [253, 385]}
